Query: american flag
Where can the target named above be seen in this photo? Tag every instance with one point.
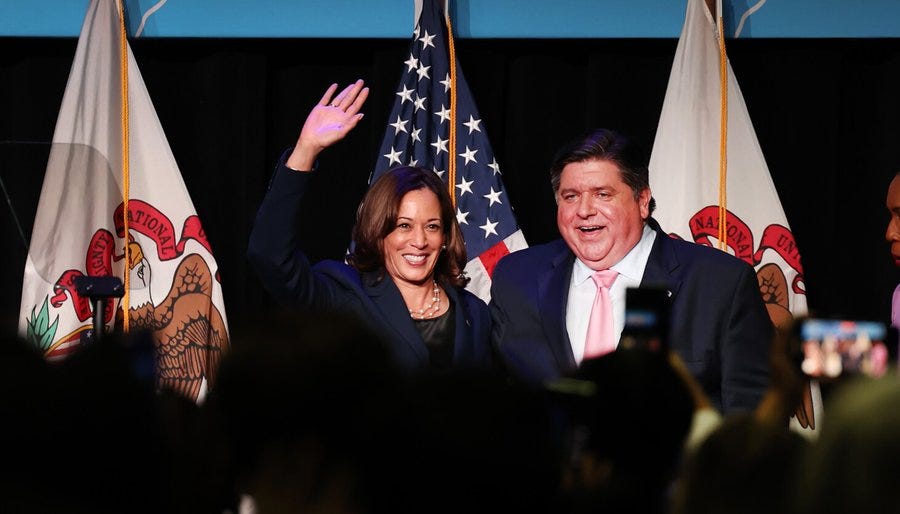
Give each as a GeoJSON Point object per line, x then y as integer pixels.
{"type": "Point", "coordinates": [422, 131]}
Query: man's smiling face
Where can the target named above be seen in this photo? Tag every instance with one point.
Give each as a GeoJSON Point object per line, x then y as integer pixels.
{"type": "Point", "coordinates": [597, 213]}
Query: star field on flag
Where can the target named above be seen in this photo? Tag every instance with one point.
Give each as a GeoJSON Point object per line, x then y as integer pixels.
{"type": "Point", "coordinates": [418, 131]}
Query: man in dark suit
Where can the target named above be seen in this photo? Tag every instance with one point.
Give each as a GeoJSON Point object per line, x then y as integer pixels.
{"type": "Point", "coordinates": [542, 297]}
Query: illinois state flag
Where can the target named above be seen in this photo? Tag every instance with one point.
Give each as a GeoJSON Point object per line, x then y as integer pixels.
{"type": "Point", "coordinates": [685, 178]}
{"type": "Point", "coordinates": [427, 130]}
{"type": "Point", "coordinates": [80, 226]}
{"type": "Point", "coordinates": [684, 171]}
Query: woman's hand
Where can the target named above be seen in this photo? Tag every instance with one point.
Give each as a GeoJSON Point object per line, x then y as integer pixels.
{"type": "Point", "coordinates": [328, 122]}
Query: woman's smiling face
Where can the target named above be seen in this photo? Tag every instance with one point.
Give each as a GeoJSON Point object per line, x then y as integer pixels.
{"type": "Point", "coordinates": [412, 249]}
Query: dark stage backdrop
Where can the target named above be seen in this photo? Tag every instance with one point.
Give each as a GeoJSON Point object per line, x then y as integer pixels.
{"type": "Point", "coordinates": [827, 113]}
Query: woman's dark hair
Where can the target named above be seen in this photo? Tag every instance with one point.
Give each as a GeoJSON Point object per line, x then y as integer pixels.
{"type": "Point", "coordinates": [377, 217]}
{"type": "Point", "coordinates": [605, 145]}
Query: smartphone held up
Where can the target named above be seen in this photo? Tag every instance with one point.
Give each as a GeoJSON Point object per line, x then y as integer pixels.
{"type": "Point", "coordinates": [646, 319]}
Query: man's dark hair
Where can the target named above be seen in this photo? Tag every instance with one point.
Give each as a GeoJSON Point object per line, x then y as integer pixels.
{"type": "Point", "coordinates": [605, 145]}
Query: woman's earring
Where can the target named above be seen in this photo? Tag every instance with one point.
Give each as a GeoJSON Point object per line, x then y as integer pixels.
{"type": "Point", "coordinates": [443, 247]}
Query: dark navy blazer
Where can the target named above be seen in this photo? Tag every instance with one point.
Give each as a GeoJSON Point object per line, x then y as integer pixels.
{"type": "Point", "coordinates": [719, 324]}
{"type": "Point", "coordinates": [286, 273]}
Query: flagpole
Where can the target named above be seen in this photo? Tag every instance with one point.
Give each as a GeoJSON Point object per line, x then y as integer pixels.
{"type": "Point", "coordinates": [723, 133]}
{"type": "Point", "coordinates": [126, 193]}
{"type": "Point", "coordinates": [451, 161]}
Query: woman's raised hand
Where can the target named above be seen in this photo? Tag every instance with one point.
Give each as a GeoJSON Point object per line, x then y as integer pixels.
{"type": "Point", "coordinates": [328, 122]}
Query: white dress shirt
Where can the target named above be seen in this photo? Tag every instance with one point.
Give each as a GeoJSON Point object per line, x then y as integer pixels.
{"type": "Point", "coordinates": [582, 291]}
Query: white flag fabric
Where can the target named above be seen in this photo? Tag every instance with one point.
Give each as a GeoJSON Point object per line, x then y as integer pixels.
{"type": "Point", "coordinates": [79, 227]}
{"type": "Point", "coordinates": [684, 177]}
{"type": "Point", "coordinates": [684, 170]}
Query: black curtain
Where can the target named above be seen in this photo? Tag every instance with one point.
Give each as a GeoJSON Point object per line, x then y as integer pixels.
{"type": "Point", "coordinates": [826, 112]}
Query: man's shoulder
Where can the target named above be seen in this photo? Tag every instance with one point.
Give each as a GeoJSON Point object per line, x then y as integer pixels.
{"type": "Point", "coordinates": [532, 256]}
{"type": "Point", "coordinates": [706, 257]}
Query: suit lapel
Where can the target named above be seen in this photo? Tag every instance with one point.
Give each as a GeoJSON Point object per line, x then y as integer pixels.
{"type": "Point", "coordinates": [388, 303]}
{"type": "Point", "coordinates": [553, 289]}
{"type": "Point", "coordinates": [462, 341]}
{"type": "Point", "coordinates": [662, 265]}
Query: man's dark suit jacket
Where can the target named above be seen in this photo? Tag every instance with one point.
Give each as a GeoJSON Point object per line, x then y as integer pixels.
{"type": "Point", "coordinates": [719, 324]}
{"type": "Point", "coordinates": [331, 285]}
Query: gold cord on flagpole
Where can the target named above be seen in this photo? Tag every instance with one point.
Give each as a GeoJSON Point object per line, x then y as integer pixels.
{"type": "Point", "coordinates": [723, 138]}
{"type": "Point", "coordinates": [123, 79]}
{"type": "Point", "coordinates": [451, 160]}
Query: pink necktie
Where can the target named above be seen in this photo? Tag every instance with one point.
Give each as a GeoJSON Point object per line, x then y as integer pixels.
{"type": "Point", "coordinates": [600, 339]}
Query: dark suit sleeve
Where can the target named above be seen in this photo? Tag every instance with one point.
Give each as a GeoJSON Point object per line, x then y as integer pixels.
{"type": "Point", "coordinates": [499, 318]}
{"type": "Point", "coordinates": [745, 346]}
{"type": "Point", "coordinates": [522, 319]}
{"type": "Point", "coordinates": [273, 250]}
{"type": "Point", "coordinates": [499, 315]}
{"type": "Point", "coordinates": [476, 341]}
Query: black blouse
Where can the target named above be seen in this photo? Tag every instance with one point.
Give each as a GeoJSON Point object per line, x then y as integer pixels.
{"type": "Point", "coordinates": [438, 334]}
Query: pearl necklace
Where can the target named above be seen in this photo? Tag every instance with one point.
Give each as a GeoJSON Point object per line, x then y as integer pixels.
{"type": "Point", "coordinates": [431, 309]}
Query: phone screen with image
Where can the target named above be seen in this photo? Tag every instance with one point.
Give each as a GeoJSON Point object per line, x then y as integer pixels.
{"type": "Point", "coordinates": [832, 348]}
